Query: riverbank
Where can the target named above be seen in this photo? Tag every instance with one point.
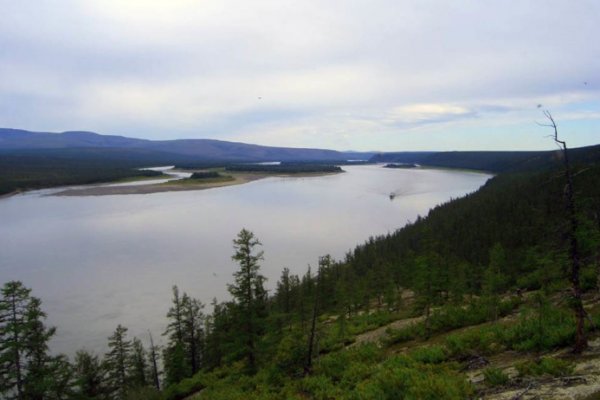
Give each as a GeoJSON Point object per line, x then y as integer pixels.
{"type": "Point", "coordinates": [177, 185]}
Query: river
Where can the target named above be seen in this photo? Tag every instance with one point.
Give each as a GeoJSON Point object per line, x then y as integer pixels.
{"type": "Point", "coordinates": [101, 261]}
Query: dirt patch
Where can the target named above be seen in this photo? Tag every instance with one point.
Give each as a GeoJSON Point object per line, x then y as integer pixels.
{"type": "Point", "coordinates": [381, 333]}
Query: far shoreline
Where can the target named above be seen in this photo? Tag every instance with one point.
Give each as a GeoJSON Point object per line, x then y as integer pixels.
{"type": "Point", "coordinates": [179, 185]}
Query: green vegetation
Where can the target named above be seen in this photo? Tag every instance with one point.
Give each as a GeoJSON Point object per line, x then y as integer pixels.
{"type": "Point", "coordinates": [35, 170]}
{"type": "Point", "coordinates": [400, 166]}
{"type": "Point", "coordinates": [494, 377]}
{"type": "Point", "coordinates": [206, 175]}
{"type": "Point", "coordinates": [480, 275]}
{"type": "Point", "coordinates": [545, 366]}
{"type": "Point", "coordinates": [285, 168]}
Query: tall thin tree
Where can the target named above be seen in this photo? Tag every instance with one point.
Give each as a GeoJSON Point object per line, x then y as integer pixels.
{"type": "Point", "coordinates": [249, 293]}
{"type": "Point", "coordinates": [574, 256]}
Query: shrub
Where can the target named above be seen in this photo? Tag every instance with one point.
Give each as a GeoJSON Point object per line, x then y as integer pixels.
{"type": "Point", "coordinates": [479, 341]}
{"type": "Point", "coordinates": [402, 378]}
{"type": "Point", "coordinates": [544, 328]}
{"type": "Point", "coordinates": [430, 354]}
{"type": "Point", "coordinates": [494, 377]}
{"type": "Point", "coordinates": [545, 366]}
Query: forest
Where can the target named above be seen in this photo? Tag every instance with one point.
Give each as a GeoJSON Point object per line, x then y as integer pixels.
{"type": "Point", "coordinates": [481, 276]}
{"type": "Point", "coordinates": [26, 170]}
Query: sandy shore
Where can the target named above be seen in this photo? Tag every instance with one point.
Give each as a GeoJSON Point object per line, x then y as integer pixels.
{"type": "Point", "coordinates": [173, 186]}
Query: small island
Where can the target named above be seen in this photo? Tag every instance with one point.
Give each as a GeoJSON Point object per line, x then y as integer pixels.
{"type": "Point", "coordinates": [401, 165]}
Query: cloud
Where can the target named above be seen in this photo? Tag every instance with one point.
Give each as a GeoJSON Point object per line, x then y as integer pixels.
{"type": "Point", "coordinates": [428, 113]}
{"type": "Point", "coordinates": [357, 74]}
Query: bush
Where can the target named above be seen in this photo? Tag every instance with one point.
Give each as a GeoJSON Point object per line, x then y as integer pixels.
{"type": "Point", "coordinates": [544, 328]}
{"type": "Point", "coordinates": [403, 378]}
{"type": "Point", "coordinates": [494, 377]}
{"type": "Point", "coordinates": [429, 355]}
{"type": "Point", "coordinates": [545, 366]}
{"type": "Point", "coordinates": [479, 341]}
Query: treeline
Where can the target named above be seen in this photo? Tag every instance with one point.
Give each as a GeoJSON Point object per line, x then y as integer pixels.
{"type": "Point", "coordinates": [42, 169]}
{"type": "Point", "coordinates": [493, 161]}
{"type": "Point", "coordinates": [285, 168]}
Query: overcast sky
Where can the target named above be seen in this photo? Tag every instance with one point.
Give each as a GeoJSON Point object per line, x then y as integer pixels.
{"type": "Point", "coordinates": [363, 75]}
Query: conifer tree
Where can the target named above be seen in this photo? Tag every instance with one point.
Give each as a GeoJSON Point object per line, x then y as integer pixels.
{"type": "Point", "coordinates": [493, 279]}
{"type": "Point", "coordinates": [193, 333]}
{"type": "Point", "coordinates": [176, 364]}
{"type": "Point", "coordinates": [249, 294]}
{"type": "Point", "coordinates": [89, 376]}
{"type": "Point", "coordinates": [26, 367]}
{"type": "Point", "coordinates": [13, 307]}
{"type": "Point", "coordinates": [39, 363]}
{"type": "Point", "coordinates": [138, 364]}
{"type": "Point", "coordinates": [118, 361]}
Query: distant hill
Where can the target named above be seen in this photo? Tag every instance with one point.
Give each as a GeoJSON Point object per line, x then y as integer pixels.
{"type": "Point", "coordinates": [175, 150]}
{"type": "Point", "coordinates": [494, 161]}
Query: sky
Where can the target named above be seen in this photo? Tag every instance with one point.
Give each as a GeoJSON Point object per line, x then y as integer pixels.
{"type": "Point", "coordinates": [354, 75]}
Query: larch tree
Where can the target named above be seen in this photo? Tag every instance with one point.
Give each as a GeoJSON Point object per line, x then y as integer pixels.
{"type": "Point", "coordinates": [118, 361]}
{"type": "Point", "coordinates": [574, 251]}
{"type": "Point", "coordinates": [249, 294]}
{"type": "Point", "coordinates": [26, 367]}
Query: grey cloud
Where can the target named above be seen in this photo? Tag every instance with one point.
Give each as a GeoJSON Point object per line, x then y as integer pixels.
{"type": "Point", "coordinates": [186, 68]}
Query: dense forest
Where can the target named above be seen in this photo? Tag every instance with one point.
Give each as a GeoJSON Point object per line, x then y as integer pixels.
{"type": "Point", "coordinates": [480, 275]}
{"type": "Point", "coordinates": [285, 168]}
{"type": "Point", "coordinates": [35, 170]}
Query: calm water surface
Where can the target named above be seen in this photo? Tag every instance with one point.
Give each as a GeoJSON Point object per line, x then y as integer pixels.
{"type": "Point", "coordinates": [99, 261]}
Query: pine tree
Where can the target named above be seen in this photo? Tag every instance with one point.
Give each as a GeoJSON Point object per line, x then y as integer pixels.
{"type": "Point", "coordinates": [493, 279]}
{"type": "Point", "coordinates": [193, 333]}
{"type": "Point", "coordinates": [249, 294]}
{"type": "Point", "coordinates": [138, 365]}
{"type": "Point", "coordinates": [39, 363]}
{"type": "Point", "coordinates": [176, 364]}
{"type": "Point", "coordinates": [117, 362]}
{"type": "Point", "coordinates": [89, 376]}
{"type": "Point", "coordinates": [26, 367]}
{"type": "Point", "coordinates": [13, 330]}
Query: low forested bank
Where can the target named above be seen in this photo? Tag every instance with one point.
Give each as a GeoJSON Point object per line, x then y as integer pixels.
{"type": "Point", "coordinates": [36, 170]}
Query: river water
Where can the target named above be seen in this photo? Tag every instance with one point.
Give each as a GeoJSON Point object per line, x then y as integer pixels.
{"type": "Point", "coordinates": [101, 261]}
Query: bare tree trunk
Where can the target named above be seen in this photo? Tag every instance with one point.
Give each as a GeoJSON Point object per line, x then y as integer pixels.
{"type": "Point", "coordinates": [153, 358]}
{"type": "Point", "coordinates": [580, 314]}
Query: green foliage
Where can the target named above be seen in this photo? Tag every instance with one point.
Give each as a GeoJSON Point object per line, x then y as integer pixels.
{"type": "Point", "coordinates": [206, 175]}
{"type": "Point", "coordinates": [478, 341]}
{"type": "Point", "coordinates": [185, 387]}
{"type": "Point", "coordinates": [118, 363]}
{"type": "Point", "coordinates": [430, 354]}
{"type": "Point", "coordinates": [47, 168]}
{"type": "Point", "coordinates": [144, 393]}
{"type": "Point", "coordinates": [26, 367]}
{"type": "Point", "coordinates": [285, 168]}
{"type": "Point", "coordinates": [249, 295]}
{"type": "Point", "coordinates": [401, 378]}
{"type": "Point", "coordinates": [541, 327]}
{"type": "Point", "coordinates": [545, 366]}
{"type": "Point", "coordinates": [494, 377]}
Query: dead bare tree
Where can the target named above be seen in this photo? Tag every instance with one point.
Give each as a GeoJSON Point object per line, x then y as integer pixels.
{"type": "Point", "coordinates": [574, 255]}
